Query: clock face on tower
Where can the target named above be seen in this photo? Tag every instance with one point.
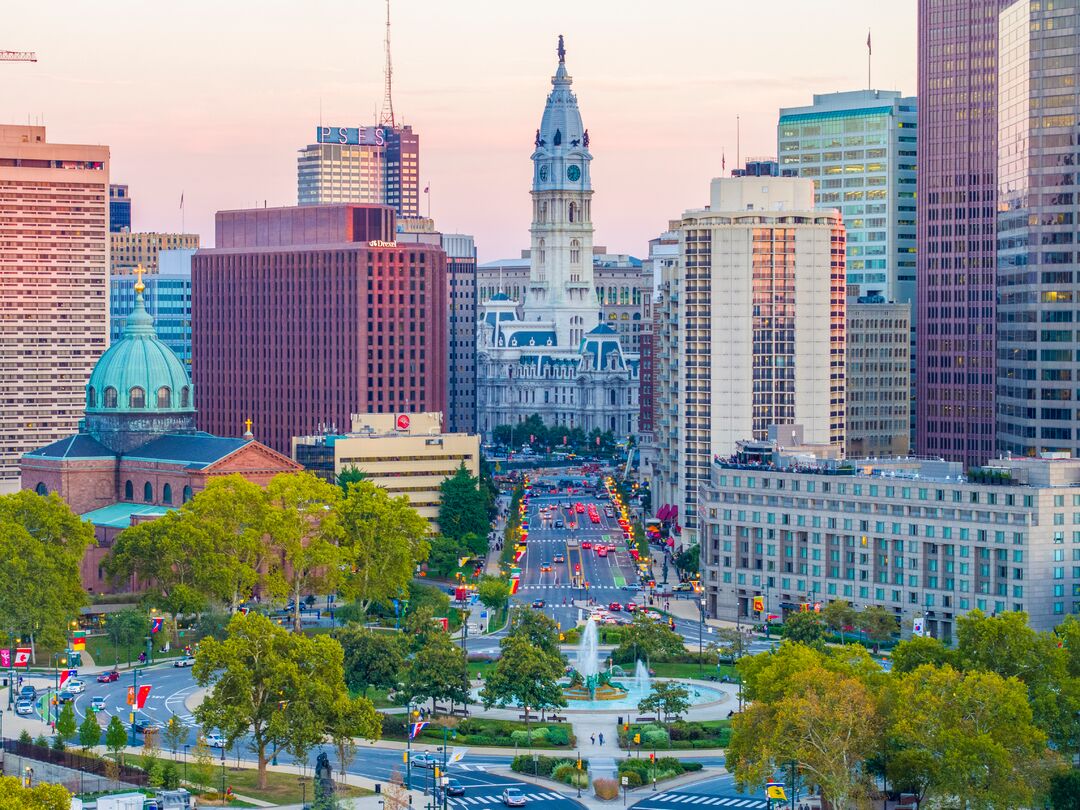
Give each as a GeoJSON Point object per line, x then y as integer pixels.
{"type": "Point", "coordinates": [573, 173]}
{"type": "Point", "coordinates": [543, 174]}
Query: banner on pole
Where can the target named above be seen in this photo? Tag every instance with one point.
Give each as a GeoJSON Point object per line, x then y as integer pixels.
{"type": "Point", "coordinates": [22, 657]}
{"type": "Point", "coordinates": [144, 693]}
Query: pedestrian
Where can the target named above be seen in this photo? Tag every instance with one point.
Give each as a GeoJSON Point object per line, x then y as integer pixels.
{"type": "Point", "coordinates": [592, 738]}
{"type": "Point", "coordinates": [601, 738]}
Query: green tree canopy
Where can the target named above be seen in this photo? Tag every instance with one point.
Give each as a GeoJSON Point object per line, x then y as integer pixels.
{"type": "Point", "coordinates": [540, 630]}
{"type": "Point", "coordinates": [371, 658]}
{"type": "Point", "coordinates": [350, 475]}
{"type": "Point", "coordinates": [349, 718]}
{"type": "Point", "coordinates": [647, 639]}
{"type": "Point", "coordinates": [257, 674]}
{"type": "Point", "coordinates": [41, 796]}
{"type": "Point", "coordinates": [89, 731]}
{"type": "Point", "coordinates": [805, 627]}
{"type": "Point", "coordinates": [66, 727]}
{"type": "Point", "coordinates": [438, 671]}
{"type": "Point", "coordinates": [525, 675]}
{"type": "Point", "coordinates": [115, 737]}
{"type": "Point", "coordinates": [463, 506]}
{"type": "Point", "coordinates": [493, 592]}
{"type": "Point", "coordinates": [839, 616]}
{"type": "Point", "coordinates": [879, 623]}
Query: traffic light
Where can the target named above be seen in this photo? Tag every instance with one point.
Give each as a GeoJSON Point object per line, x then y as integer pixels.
{"type": "Point", "coordinates": [652, 757]}
{"type": "Point", "coordinates": [626, 727]}
{"type": "Point", "coordinates": [405, 757]}
{"type": "Point", "coordinates": [637, 739]}
{"type": "Point", "coordinates": [436, 773]}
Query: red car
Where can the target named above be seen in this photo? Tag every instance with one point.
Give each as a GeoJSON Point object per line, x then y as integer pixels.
{"type": "Point", "coordinates": [579, 508]}
{"type": "Point", "coordinates": [614, 606]}
{"type": "Point", "coordinates": [601, 551]}
{"type": "Point", "coordinates": [108, 677]}
{"type": "Point", "coordinates": [631, 607]}
{"type": "Point", "coordinates": [586, 545]}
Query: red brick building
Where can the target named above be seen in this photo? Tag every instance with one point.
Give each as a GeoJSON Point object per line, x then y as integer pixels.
{"type": "Point", "coordinates": [304, 316]}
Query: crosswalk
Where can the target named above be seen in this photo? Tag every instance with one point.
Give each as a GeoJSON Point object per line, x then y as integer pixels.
{"type": "Point", "coordinates": [690, 799]}
{"type": "Point", "coordinates": [477, 801]}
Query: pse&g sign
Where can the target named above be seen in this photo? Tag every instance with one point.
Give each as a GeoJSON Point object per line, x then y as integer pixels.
{"type": "Point", "coordinates": [353, 136]}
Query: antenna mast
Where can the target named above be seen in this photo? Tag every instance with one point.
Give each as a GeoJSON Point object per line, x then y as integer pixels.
{"type": "Point", "coordinates": [386, 118]}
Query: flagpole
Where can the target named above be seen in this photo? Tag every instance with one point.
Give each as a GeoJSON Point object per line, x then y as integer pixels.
{"type": "Point", "coordinates": [869, 53]}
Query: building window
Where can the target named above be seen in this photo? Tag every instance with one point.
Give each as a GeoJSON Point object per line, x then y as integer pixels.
{"type": "Point", "coordinates": [575, 251]}
{"type": "Point", "coordinates": [164, 397]}
{"type": "Point", "coordinates": [573, 211]}
{"type": "Point", "coordinates": [91, 398]}
{"type": "Point", "coordinates": [41, 489]}
{"type": "Point", "coordinates": [166, 494]}
{"type": "Point", "coordinates": [109, 398]}
{"type": "Point", "coordinates": [129, 491]}
{"type": "Point", "coordinates": [187, 490]}
{"type": "Point", "coordinates": [185, 397]}
{"type": "Point", "coordinates": [148, 492]}
{"type": "Point", "coordinates": [137, 398]}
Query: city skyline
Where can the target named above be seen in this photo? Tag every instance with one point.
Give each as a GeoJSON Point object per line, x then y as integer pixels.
{"type": "Point", "coordinates": [180, 125]}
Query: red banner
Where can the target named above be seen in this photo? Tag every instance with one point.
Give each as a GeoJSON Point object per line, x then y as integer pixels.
{"type": "Point", "coordinates": [144, 693]}
{"type": "Point", "coordinates": [22, 657]}
{"type": "Point", "coordinates": [131, 696]}
{"type": "Point", "coordinates": [5, 658]}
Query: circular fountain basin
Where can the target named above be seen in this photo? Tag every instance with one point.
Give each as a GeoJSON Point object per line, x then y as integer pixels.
{"type": "Point", "coordinates": [634, 695]}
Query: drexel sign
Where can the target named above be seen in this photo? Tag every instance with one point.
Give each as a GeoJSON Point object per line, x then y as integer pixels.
{"type": "Point", "coordinates": [381, 243]}
{"type": "Point", "coordinates": [352, 136]}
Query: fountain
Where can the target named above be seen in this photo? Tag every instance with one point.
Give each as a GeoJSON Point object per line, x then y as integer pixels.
{"type": "Point", "coordinates": [587, 682]}
{"type": "Point", "coordinates": [642, 682]}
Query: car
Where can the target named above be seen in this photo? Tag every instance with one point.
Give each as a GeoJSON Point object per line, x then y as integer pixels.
{"type": "Point", "coordinates": [109, 677]}
{"type": "Point", "coordinates": [683, 587]}
{"type": "Point", "coordinates": [566, 505]}
{"type": "Point", "coordinates": [545, 566]}
{"type": "Point", "coordinates": [424, 760]}
{"type": "Point", "coordinates": [559, 524]}
{"type": "Point", "coordinates": [614, 606]}
{"type": "Point", "coordinates": [24, 707]}
{"type": "Point", "coordinates": [454, 788]}
{"type": "Point", "coordinates": [214, 740]}
{"type": "Point", "coordinates": [537, 603]}
{"type": "Point", "coordinates": [560, 558]}
{"type": "Point", "coordinates": [186, 661]}
{"type": "Point", "coordinates": [631, 607]}
{"type": "Point", "coordinates": [579, 508]}
{"type": "Point", "coordinates": [97, 703]}
{"type": "Point", "coordinates": [28, 692]}
{"type": "Point", "coordinates": [144, 724]}
{"type": "Point", "coordinates": [65, 696]}
{"type": "Point", "coordinates": [601, 551]}
{"type": "Point", "coordinates": [585, 544]}
{"type": "Point", "coordinates": [513, 797]}
{"type": "Point", "coordinates": [75, 686]}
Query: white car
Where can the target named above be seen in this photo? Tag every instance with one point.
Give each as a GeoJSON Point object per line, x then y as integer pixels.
{"type": "Point", "coordinates": [97, 703]}
{"type": "Point", "coordinates": [186, 661]}
{"type": "Point", "coordinates": [215, 740]}
{"type": "Point", "coordinates": [24, 707]}
{"type": "Point", "coordinates": [75, 686]}
{"type": "Point", "coordinates": [513, 797]}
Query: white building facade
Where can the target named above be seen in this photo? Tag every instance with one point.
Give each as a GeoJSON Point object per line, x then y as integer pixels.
{"type": "Point", "coordinates": [551, 355]}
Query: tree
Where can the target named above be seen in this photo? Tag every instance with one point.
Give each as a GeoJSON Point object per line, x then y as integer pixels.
{"type": "Point", "coordinates": [304, 528]}
{"type": "Point", "coordinates": [1065, 790]}
{"type": "Point", "coordinates": [493, 592]}
{"type": "Point", "coordinates": [827, 723]}
{"type": "Point", "coordinates": [175, 733]}
{"type": "Point", "coordinates": [648, 639]}
{"type": "Point", "coordinates": [42, 796]}
{"type": "Point", "coordinates": [371, 658]}
{"type": "Point", "coordinates": [879, 624]}
{"type": "Point", "coordinates": [838, 616]}
{"type": "Point", "coordinates": [966, 734]}
{"type": "Point", "coordinates": [667, 700]}
{"type": "Point", "coordinates": [350, 718]}
{"type": "Point", "coordinates": [350, 475]}
{"type": "Point", "coordinates": [384, 539]}
{"type": "Point", "coordinates": [688, 561]}
{"type": "Point", "coordinates": [151, 756]}
{"type": "Point", "coordinates": [257, 675]}
{"type": "Point", "coordinates": [805, 627]}
{"type": "Point", "coordinates": [66, 727]}
{"type": "Point", "coordinates": [202, 765]}
{"type": "Point", "coordinates": [540, 630]}
{"type": "Point", "coordinates": [730, 643]}
{"type": "Point", "coordinates": [525, 675]}
{"type": "Point", "coordinates": [89, 731]}
{"type": "Point", "coordinates": [438, 671]}
{"type": "Point", "coordinates": [462, 506]}
{"type": "Point", "coordinates": [115, 737]}
{"type": "Point", "coordinates": [909, 655]}
{"type": "Point", "coordinates": [443, 554]}
{"type": "Point", "coordinates": [124, 628]}
{"type": "Point", "coordinates": [42, 544]}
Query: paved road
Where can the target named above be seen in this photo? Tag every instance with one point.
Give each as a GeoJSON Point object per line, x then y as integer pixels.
{"type": "Point", "coordinates": [712, 793]}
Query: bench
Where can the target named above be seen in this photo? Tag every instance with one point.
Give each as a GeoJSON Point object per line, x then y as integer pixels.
{"type": "Point", "coordinates": [556, 719]}
{"type": "Point", "coordinates": [645, 719]}
{"type": "Point", "coordinates": [463, 712]}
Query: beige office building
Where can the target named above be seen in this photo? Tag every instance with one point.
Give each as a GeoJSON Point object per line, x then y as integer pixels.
{"type": "Point", "coordinates": [54, 280]}
{"type": "Point", "coordinates": [404, 453]}
{"type": "Point", "coordinates": [878, 379]}
{"type": "Point", "coordinates": [132, 249]}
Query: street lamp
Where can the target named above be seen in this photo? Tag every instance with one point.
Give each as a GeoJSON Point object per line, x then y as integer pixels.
{"type": "Point", "coordinates": [56, 659]}
{"type": "Point", "coordinates": [223, 774]}
{"type": "Point", "coordinates": [700, 627]}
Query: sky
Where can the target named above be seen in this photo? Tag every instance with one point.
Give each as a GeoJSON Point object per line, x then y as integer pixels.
{"type": "Point", "coordinates": [212, 100]}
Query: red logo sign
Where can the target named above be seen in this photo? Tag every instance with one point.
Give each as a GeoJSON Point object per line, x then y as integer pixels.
{"type": "Point", "coordinates": [5, 658]}
{"type": "Point", "coordinates": [403, 421]}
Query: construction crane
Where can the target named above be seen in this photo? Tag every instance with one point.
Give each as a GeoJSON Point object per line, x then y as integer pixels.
{"type": "Point", "coordinates": [18, 56]}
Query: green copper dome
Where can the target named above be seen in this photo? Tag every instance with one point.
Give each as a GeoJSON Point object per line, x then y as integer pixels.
{"type": "Point", "coordinates": [139, 373]}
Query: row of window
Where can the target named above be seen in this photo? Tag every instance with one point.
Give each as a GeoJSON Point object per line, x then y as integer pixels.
{"type": "Point", "coordinates": [137, 397]}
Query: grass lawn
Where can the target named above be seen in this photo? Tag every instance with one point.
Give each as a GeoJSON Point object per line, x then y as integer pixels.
{"type": "Point", "coordinates": [684, 735]}
{"type": "Point", "coordinates": [281, 788]}
{"type": "Point", "coordinates": [105, 654]}
{"type": "Point", "coordinates": [697, 671]}
{"type": "Point", "coordinates": [479, 731]}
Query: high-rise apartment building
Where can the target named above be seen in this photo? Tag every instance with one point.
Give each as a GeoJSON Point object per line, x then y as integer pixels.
{"type": "Point", "coordinates": [663, 254]}
{"type": "Point", "coordinates": [54, 271]}
{"type": "Point", "coordinates": [1038, 363]}
{"type": "Point", "coordinates": [166, 296]}
{"type": "Point", "coordinates": [372, 165]}
{"type": "Point", "coordinates": [750, 333]}
{"type": "Point", "coordinates": [878, 378]}
{"type": "Point", "coordinates": [859, 148]}
{"type": "Point", "coordinates": [305, 316]}
{"type": "Point", "coordinates": [129, 250]}
{"type": "Point", "coordinates": [957, 209]}
{"type": "Point", "coordinates": [119, 208]}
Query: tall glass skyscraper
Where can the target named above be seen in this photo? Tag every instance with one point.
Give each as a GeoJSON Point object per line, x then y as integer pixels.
{"type": "Point", "coordinates": [1038, 364]}
{"type": "Point", "coordinates": [859, 149]}
{"type": "Point", "coordinates": [957, 194]}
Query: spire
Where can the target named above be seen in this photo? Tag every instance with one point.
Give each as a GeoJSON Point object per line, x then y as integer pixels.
{"type": "Point", "coordinates": [386, 117]}
{"type": "Point", "coordinates": [139, 322]}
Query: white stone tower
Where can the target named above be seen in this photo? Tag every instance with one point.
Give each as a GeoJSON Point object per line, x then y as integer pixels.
{"type": "Point", "coordinates": [561, 276]}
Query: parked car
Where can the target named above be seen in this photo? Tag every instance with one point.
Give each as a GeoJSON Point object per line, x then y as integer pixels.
{"type": "Point", "coordinates": [75, 686]}
{"type": "Point", "coordinates": [513, 797]}
{"type": "Point", "coordinates": [24, 707]}
{"type": "Point", "coordinates": [454, 788]}
{"type": "Point", "coordinates": [424, 760]}
{"type": "Point", "coordinates": [214, 740]}
{"type": "Point", "coordinates": [97, 703]}
{"type": "Point", "coordinates": [108, 677]}
{"type": "Point", "coordinates": [186, 661]}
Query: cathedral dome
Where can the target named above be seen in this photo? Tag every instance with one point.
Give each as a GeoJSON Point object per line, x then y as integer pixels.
{"type": "Point", "coordinates": [139, 374]}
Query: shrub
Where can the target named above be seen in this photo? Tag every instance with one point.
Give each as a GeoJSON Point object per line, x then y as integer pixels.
{"type": "Point", "coordinates": [393, 726]}
{"type": "Point", "coordinates": [637, 765]}
{"type": "Point", "coordinates": [25, 737]}
{"type": "Point", "coordinates": [521, 736]}
{"type": "Point", "coordinates": [42, 741]}
{"type": "Point", "coordinates": [690, 767]}
{"type": "Point", "coordinates": [557, 735]}
{"type": "Point", "coordinates": [657, 737]}
{"type": "Point", "coordinates": [606, 788]}
{"type": "Point", "coordinates": [633, 779]}
{"type": "Point", "coordinates": [569, 775]}
{"type": "Point", "coordinates": [170, 776]}
{"type": "Point", "coordinates": [544, 766]}
{"type": "Point", "coordinates": [669, 764]}
{"type": "Point", "coordinates": [58, 743]}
